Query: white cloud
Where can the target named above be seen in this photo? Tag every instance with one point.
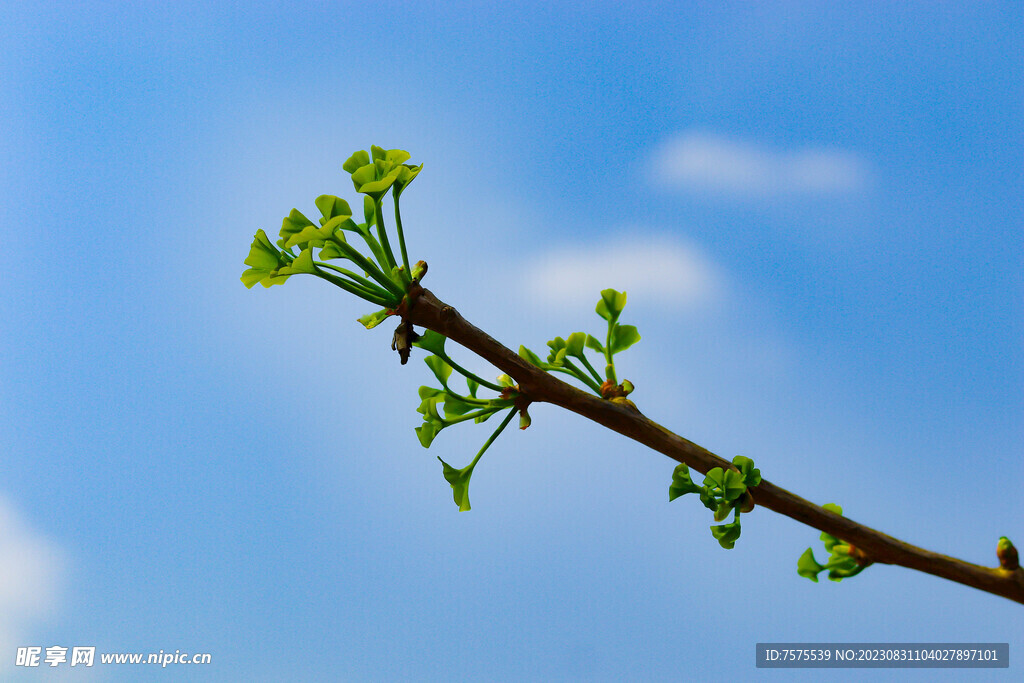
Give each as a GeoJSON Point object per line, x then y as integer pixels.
{"type": "Point", "coordinates": [30, 569]}
{"type": "Point", "coordinates": [656, 270]}
{"type": "Point", "coordinates": [707, 163]}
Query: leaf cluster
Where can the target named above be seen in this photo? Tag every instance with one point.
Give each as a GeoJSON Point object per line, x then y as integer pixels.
{"type": "Point", "coordinates": [844, 559]}
{"type": "Point", "coordinates": [442, 407]}
{"type": "Point", "coordinates": [305, 247]}
{"type": "Point", "coordinates": [563, 352]}
{"type": "Point", "coordinates": [723, 491]}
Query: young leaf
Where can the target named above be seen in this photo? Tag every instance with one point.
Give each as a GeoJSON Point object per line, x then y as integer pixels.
{"type": "Point", "coordinates": [265, 261]}
{"type": "Point", "coordinates": [332, 207]}
{"type": "Point", "coordinates": [453, 407]}
{"type": "Point", "coordinates": [611, 304]}
{"type": "Point", "coordinates": [440, 369]}
{"type": "Point", "coordinates": [729, 481]}
{"type": "Point", "coordinates": [751, 475]}
{"type": "Point", "coordinates": [429, 392]}
{"type": "Point", "coordinates": [356, 161]}
{"type": "Point", "coordinates": [331, 251]}
{"type": "Point", "coordinates": [431, 341]}
{"type": "Point", "coordinates": [371, 320]}
{"type": "Point", "coordinates": [309, 236]}
{"type": "Point", "coordinates": [472, 385]}
{"type": "Point", "coordinates": [623, 336]}
{"type": "Point", "coordinates": [574, 344]}
{"type": "Point", "coordinates": [369, 212]}
{"type": "Point", "coordinates": [529, 356]}
{"type": "Point", "coordinates": [727, 534]}
{"type": "Point", "coordinates": [682, 483]}
{"type": "Point", "coordinates": [426, 433]}
{"type": "Point", "coordinates": [459, 480]}
{"type": "Point", "coordinates": [293, 223]}
{"type": "Point", "coordinates": [808, 567]}
{"type": "Point", "coordinates": [406, 174]}
{"type": "Point", "coordinates": [593, 343]}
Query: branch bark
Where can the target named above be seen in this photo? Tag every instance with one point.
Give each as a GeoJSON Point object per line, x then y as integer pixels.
{"type": "Point", "coordinates": [428, 311]}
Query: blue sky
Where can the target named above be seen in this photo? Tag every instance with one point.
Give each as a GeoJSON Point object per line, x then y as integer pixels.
{"type": "Point", "coordinates": [816, 212]}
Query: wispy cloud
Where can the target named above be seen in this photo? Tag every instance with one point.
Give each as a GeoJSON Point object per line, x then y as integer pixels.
{"type": "Point", "coordinates": [30, 569]}
{"type": "Point", "coordinates": [659, 270]}
{"type": "Point", "coordinates": [702, 162]}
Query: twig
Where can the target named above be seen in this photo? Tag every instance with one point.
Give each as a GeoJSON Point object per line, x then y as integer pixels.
{"type": "Point", "coordinates": [625, 419]}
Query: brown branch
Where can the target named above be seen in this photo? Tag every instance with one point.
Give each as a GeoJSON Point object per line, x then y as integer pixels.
{"type": "Point", "coordinates": [624, 418]}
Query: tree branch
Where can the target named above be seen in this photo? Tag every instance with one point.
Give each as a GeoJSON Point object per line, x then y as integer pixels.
{"type": "Point", "coordinates": [622, 417]}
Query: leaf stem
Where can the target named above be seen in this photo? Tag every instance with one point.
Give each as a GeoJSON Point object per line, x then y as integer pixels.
{"type": "Point", "coordinates": [466, 373]}
{"type": "Point", "coordinates": [369, 268]}
{"type": "Point", "coordinates": [609, 368]}
{"type": "Point", "coordinates": [580, 375]}
{"type": "Point", "coordinates": [382, 235]}
{"type": "Point", "coordinates": [401, 235]}
{"type": "Point", "coordinates": [372, 286]}
{"type": "Point", "coordinates": [589, 367]}
{"type": "Point", "coordinates": [492, 437]}
{"type": "Point", "coordinates": [484, 412]}
{"type": "Point", "coordinates": [353, 288]}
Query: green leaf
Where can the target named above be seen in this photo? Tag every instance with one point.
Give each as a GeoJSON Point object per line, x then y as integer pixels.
{"type": "Point", "coordinates": [374, 179]}
{"type": "Point", "coordinates": [440, 368]}
{"type": "Point", "coordinates": [309, 236]}
{"type": "Point", "coordinates": [574, 344]}
{"type": "Point", "coordinates": [708, 498]}
{"type": "Point", "coordinates": [845, 570]}
{"type": "Point", "coordinates": [293, 224]}
{"type": "Point", "coordinates": [406, 174]}
{"type": "Point", "coordinates": [832, 507]}
{"type": "Point", "coordinates": [682, 483]}
{"type": "Point", "coordinates": [611, 304]}
{"type": "Point", "coordinates": [303, 263]}
{"type": "Point", "coordinates": [751, 475]}
{"type": "Point", "coordinates": [262, 254]}
{"type": "Point", "coordinates": [369, 213]}
{"type": "Point", "coordinates": [530, 357]}
{"type": "Point", "coordinates": [331, 251]}
{"type": "Point", "coordinates": [730, 482]}
{"type": "Point", "coordinates": [332, 207]}
{"type": "Point", "coordinates": [454, 407]}
{"type": "Point", "coordinates": [831, 542]}
{"type": "Point", "coordinates": [426, 433]}
{"type": "Point", "coordinates": [473, 385]}
{"type": "Point", "coordinates": [371, 320]}
{"type": "Point", "coordinates": [266, 263]}
{"type": "Point", "coordinates": [357, 160]}
{"type": "Point", "coordinates": [595, 344]}
{"type": "Point", "coordinates": [428, 407]}
{"type": "Point", "coordinates": [431, 341]}
{"type": "Point", "coordinates": [395, 157]}
{"type": "Point", "coordinates": [723, 510]}
{"type": "Point", "coordinates": [429, 392]}
{"type": "Point", "coordinates": [506, 381]}
{"type": "Point", "coordinates": [623, 336]}
{"type": "Point", "coordinates": [558, 351]}
{"type": "Point", "coordinates": [459, 481]}
{"type": "Point", "coordinates": [727, 534]}
{"type": "Point", "coordinates": [808, 567]}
